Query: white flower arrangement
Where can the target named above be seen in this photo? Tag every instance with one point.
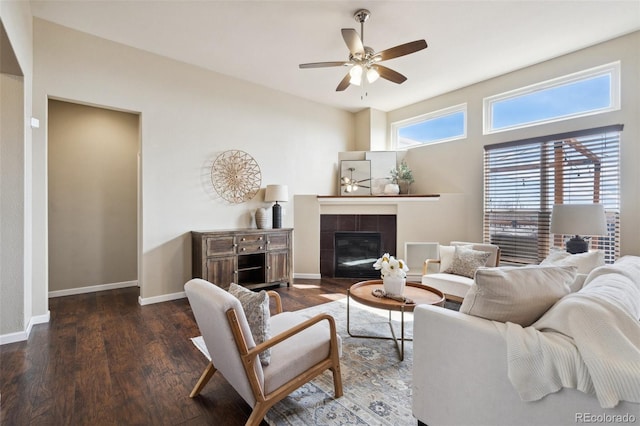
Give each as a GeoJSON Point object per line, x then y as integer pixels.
{"type": "Point", "coordinates": [389, 266]}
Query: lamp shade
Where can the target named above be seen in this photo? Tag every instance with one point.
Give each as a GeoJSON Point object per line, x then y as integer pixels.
{"type": "Point", "coordinates": [578, 219]}
{"type": "Point", "coordinates": [276, 193]}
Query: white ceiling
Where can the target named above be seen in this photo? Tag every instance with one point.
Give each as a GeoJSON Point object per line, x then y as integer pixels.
{"type": "Point", "coordinates": [264, 41]}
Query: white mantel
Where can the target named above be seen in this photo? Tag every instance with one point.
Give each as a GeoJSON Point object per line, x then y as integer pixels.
{"type": "Point", "coordinates": [419, 218]}
{"type": "Point", "coordinates": [377, 199]}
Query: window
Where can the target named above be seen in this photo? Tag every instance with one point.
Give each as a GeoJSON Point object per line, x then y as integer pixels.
{"type": "Point", "coordinates": [523, 179]}
{"type": "Point", "coordinates": [435, 127]}
{"type": "Point", "coordinates": [588, 92]}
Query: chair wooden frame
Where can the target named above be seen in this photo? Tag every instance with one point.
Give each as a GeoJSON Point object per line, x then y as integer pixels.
{"type": "Point", "coordinates": [249, 356]}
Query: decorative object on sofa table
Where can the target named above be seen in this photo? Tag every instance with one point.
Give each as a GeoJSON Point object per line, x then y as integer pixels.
{"type": "Point", "coordinates": [276, 193]}
{"type": "Point", "coordinates": [393, 272]}
{"type": "Point", "coordinates": [236, 176]}
{"type": "Point", "coordinates": [261, 218]}
{"type": "Point", "coordinates": [576, 220]}
{"type": "Point", "coordinates": [403, 176]}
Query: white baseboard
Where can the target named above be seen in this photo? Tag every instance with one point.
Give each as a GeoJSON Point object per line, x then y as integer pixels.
{"type": "Point", "coordinates": [21, 336]}
{"type": "Point", "coordinates": [307, 276]}
{"type": "Point", "coordinates": [92, 289]}
{"type": "Point", "coordinates": [162, 298]}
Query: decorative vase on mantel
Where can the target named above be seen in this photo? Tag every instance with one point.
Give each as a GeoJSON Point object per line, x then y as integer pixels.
{"type": "Point", "coordinates": [405, 186]}
{"type": "Point", "coordinates": [394, 285]}
{"type": "Point", "coordinates": [391, 189]}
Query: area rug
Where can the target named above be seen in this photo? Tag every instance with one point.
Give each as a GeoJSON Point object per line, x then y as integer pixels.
{"type": "Point", "coordinates": [376, 384]}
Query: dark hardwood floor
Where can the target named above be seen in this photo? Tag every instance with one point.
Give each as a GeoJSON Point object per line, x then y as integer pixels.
{"type": "Point", "coordinates": [105, 360]}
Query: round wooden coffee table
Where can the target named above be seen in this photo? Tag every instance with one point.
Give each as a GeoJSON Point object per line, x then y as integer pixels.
{"type": "Point", "coordinates": [362, 292]}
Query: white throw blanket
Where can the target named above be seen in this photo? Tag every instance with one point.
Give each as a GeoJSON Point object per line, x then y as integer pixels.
{"type": "Point", "coordinates": [589, 340]}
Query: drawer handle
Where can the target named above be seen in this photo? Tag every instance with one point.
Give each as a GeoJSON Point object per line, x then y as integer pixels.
{"type": "Point", "coordinates": [243, 239]}
{"type": "Point", "coordinates": [260, 239]}
{"type": "Point", "coordinates": [268, 267]}
{"type": "Point", "coordinates": [235, 245]}
{"type": "Point", "coordinates": [268, 241]}
{"type": "Point", "coordinates": [260, 248]}
{"type": "Point", "coordinates": [244, 249]}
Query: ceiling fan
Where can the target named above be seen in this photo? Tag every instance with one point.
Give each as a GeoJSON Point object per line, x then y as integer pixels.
{"type": "Point", "coordinates": [364, 61]}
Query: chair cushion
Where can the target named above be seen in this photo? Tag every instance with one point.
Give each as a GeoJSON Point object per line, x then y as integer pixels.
{"type": "Point", "coordinates": [449, 284]}
{"type": "Point", "coordinates": [466, 261]}
{"type": "Point", "coordinates": [517, 294]}
{"type": "Point", "coordinates": [256, 309]}
{"type": "Point", "coordinates": [299, 352]}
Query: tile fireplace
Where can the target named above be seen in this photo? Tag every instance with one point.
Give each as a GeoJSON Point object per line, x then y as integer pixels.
{"type": "Point", "coordinates": [353, 239]}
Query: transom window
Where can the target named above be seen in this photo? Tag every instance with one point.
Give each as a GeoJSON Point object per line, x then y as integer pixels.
{"type": "Point", "coordinates": [435, 127]}
{"type": "Point", "coordinates": [524, 179]}
{"type": "Point", "coordinates": [588, 92]}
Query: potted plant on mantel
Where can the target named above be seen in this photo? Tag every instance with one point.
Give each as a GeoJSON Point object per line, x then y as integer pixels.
{"type": "Point", "coordinates": [403, 177]}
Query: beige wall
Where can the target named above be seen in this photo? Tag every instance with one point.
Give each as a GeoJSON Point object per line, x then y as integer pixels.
{"type": "Point", "coordinates": [27, 298]}
{"type": "Point", "coordinates": [456, 167]}
{"type": "Point", "coordinates": [92, 175]}
{"type": "Point", "coordinates": [11, 203]}
{"type": "Point", "coordinates": [188, 117]}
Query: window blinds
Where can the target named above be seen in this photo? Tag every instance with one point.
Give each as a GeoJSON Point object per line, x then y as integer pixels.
{"type": "Point", "coordinates": [524, 179]}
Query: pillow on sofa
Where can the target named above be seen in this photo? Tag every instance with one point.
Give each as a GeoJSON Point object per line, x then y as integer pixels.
{"type": "Point", "coordinates": [256, 309]}
{"type": "Point", "coordinates": [446, 257]}
{"type": "Point", "coordinates": [466, 261]}
{"type": "Point", "coordinates": [517, 294]}
{"type": "Point", "coordinates": [585, 262]}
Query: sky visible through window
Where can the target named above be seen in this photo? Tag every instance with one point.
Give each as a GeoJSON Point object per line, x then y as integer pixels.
{"type": "Point", "coordinates": [568, 99]}
{"type": "Point", "coordinates": [434, 129]}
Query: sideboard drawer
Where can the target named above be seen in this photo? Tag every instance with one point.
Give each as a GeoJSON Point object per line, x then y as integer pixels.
{"type": "Point", "coordinates": [253, 247]}
{"type": "Point", "coordinates": [244, 239]}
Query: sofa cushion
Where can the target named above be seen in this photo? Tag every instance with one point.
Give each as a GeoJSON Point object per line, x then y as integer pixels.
{"type": "Point", "coordinates": [466, 261]}
{"type": "Point", "coordinates": [256, 309]}
{"type": "Point", "coordinates": [449, 284]}
{"type": "Point", "coordinates": [517, 294]}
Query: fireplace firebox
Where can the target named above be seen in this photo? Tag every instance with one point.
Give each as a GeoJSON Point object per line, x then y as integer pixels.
{"type": "Point", "coordinates": [355, 254]}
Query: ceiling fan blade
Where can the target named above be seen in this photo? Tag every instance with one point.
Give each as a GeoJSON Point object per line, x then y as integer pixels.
{"type": "Point", "coordinates": [344, 83]}
{"type": "Point", "coordinates": [352, 39]}
{"type": "Point", "coordinates": [324, 64]}
{"type": "Point", "coordinates": [401, 50]}
{"type": "Point", "coordinates": [391, 75]}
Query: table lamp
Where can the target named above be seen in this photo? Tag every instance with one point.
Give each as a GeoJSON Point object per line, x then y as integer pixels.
{"type": "Point", "coordinates": [276, 193]}
{"type": "Point", "coordinates": [576, 220]}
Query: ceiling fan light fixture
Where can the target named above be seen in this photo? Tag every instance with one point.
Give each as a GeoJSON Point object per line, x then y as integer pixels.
{"type": "Point", "coordinates": [372, 74]}
{"type": "Point", "coordinates": [356, 75]}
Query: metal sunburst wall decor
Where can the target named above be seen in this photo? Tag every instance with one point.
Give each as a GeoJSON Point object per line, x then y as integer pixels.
{"type": "Point", "coordinates": [236, 176]}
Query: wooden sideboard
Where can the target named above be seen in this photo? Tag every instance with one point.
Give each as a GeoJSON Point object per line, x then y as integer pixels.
{"type": "Point", "coordinates": [253, 258]}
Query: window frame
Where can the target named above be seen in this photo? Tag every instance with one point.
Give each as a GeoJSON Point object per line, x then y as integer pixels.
{"type": "Point", "coordinates": [612, 69]}
{"type": "Point", "coordinates": [397, 125]}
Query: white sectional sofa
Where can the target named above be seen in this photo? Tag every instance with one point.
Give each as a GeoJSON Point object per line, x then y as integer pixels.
{"type": "Point", "coordinates": [461, 368]}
